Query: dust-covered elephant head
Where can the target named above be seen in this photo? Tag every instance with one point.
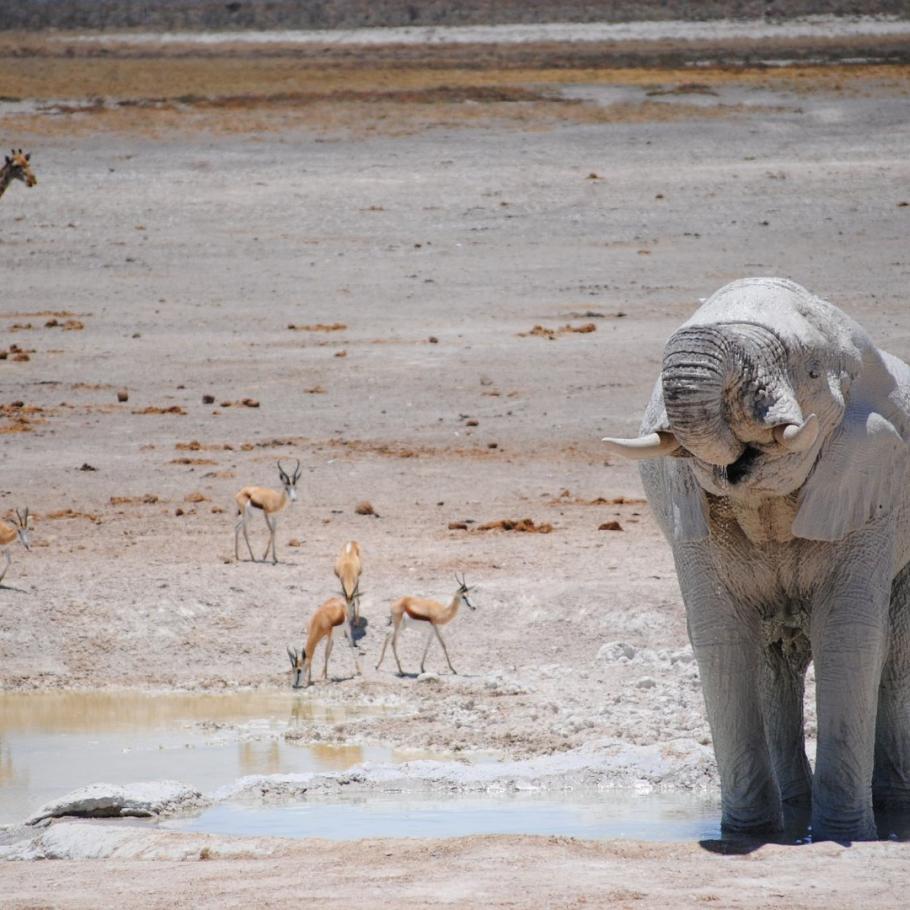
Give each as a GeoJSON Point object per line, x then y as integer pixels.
{"type": "Point", "coordinates": [768, 391]}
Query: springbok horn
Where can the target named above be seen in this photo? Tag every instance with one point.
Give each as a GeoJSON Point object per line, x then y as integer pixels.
{"type": "Point", "coordinates": [651, 446]}
{"type": "Point", "coordinates": [293, 656]}
{"type": "Point", "coordinates": [797, 437]}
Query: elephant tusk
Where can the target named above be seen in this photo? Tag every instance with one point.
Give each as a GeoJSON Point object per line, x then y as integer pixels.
{"type": "Point", "coordinates": [651, 446]}
{"type": "Point", "coordinates": [797, 437]}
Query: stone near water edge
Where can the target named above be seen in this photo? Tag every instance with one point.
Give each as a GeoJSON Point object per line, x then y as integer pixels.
{"type": "Point", "coordinates": [103, 800]}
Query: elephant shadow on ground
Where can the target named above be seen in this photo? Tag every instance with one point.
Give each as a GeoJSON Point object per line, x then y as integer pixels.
{"type": "Point", "coordinates": [892, 825]}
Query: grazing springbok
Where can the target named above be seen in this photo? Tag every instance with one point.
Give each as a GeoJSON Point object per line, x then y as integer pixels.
{"type": "Point", "coordinates": [348, 567]}
{"type": "Point", "coordinates": [16, 167]}
{"type": "Point", "coordinates": [9, 533]}
{"type": "Point", "coordinates": [270, 503]}
{"type": "Point", "coordinates": [410, 611]}
{"type": "Point", "coordinates": [334, 612]}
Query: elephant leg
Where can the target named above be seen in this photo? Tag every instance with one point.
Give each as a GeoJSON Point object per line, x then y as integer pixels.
{"type": "Point", "coordinates": [891, 777]}
{"type": "Point", "coordinates": [849, 634]}
{"type": "Point", "coordinates": [726, 639]}
{"type": "Point", "coordinates": [782, 687]}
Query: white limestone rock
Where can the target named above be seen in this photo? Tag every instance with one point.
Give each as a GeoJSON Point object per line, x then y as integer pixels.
{"type": "Point", "coordinates": [142, 800]}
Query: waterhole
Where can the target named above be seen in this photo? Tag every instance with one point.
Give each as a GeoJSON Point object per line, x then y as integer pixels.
{"type": "Point", "coordinates": [593, 815]}
{"type": "Point", "coordinates": [52, 743]}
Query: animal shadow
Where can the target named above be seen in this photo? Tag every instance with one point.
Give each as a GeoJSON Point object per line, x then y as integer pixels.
{"type": "Point", "coordinates": [892, 825]}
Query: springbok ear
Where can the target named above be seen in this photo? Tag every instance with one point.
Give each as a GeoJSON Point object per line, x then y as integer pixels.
{"type": "Point", "coordinates": [860, 476]}
{"type": "Point", "coordinates": [28, 157]}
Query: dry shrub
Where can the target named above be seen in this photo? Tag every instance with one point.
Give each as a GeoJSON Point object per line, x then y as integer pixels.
{"type": "Point", "coordinates": [365, 508]}
{"type": "Point", "coordinates": [71, 513]}
{"type": "Point", "coordinates": [146, 499]}
{"type": "Point", "coordinates": [457, 526]}
{"type": "Point", "coordinates": [315, 390]}
{"type": "Point", "coordinates": [523, 525]}
{"type": "Point", "coordinates": [610, 526]}
{"type": "Point", "coordinates": [173, 409]}
{"type": "Point", "coordinates": [318, 327]}
{"type": "Point", "coordinates": [21, 417]}
{"type": "Point", "coordinates": [195, 496]}
{"type": "Point", "coordinates": [243, 403]}
{"type": "Point", "coordinates": [200, 461]}
{"type": "Point", "coordinates": [617, 501]}
{"type": "Point", "coordinates": [540, 331]}
{"type": "Point", "coordinates": [294, 542]}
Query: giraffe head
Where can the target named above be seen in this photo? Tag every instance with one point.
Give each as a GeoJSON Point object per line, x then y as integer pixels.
{"type": "Point", "coordinates": [19, 167]}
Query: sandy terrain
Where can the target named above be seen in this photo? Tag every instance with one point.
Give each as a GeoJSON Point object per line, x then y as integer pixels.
{"type": "Point", "coordinates": [173, 240]}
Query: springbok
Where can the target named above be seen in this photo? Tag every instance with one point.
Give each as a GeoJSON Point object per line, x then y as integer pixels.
{"type": "Point", "coordinates": [16, 167]}
{"type": "Point", "coordinates": [334, 612]}
{"type": "Point", "coordinates": [270, 503]}
{"type": "Point", "coordinates": [348, 567]}
{"type": "Point", "coordinates": [409, 611]}
{"type": "Point", "coordinates": [9, 533]}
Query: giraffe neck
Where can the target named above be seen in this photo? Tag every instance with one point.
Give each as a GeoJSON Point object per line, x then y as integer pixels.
{"type": "Point", "coordinates": [6, 178]}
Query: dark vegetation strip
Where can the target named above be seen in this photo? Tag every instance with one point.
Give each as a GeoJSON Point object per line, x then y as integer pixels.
{"type": "Point", "coordinates": [316, 14]}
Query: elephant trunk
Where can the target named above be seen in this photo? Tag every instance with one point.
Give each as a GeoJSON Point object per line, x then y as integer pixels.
{"type": "Point", "coordinates": [716, 378]}
{"type": "Point", "coordinates": [699, 370]}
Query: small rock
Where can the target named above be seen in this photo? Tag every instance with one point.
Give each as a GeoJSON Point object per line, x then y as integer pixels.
{"type": "Point", "coordinates": [123, 395]}
{"type": "Point", "coordinates": [294, 542]}
{"type": "Point", "coordinates": [457, 526]}
{"type": "Point", "coordinates": [208, 399]}
{"type": "Point", "coordinates": [646, 682]}
{"type": "Point", "coordinates": [113, 801]}
{"type": "Point", "coordinates": [610, 526]}
{"type": "Point", "coordinates": [433, 339]}
{"type": "Point", "coordinates": [250, 403]}
{"type": "Point", "coordinates": [87, 467]}
{"type": "Point", "coordinates": [365, 508]}
{"type": "Point", "coordinates": [195, 496]}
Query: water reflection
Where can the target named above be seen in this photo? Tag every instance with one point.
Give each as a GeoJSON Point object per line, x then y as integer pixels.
{"type": "Point", "coordinates": [104, 711]}
{"type": "Point", "coordinates": [51, 743]}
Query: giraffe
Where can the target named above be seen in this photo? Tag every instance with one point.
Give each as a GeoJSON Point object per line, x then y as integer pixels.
{"type": "Point", "coordinates": [16, 167]}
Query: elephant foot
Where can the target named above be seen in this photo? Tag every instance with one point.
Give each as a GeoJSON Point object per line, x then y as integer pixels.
{"type": "Point", "coordinates": [843, 828]}
{"type": "Point", "coordinates": [752, 820]}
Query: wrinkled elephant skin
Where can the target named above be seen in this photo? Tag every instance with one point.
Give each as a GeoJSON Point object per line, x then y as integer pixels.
{"type": "Point", "coordinates": [775, 457]}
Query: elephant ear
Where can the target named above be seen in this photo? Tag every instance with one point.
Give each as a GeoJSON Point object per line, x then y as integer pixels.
{"type": "Point", "coordinates": [861, 476]}
{"type": "Point", "coordinates": [680, 506]}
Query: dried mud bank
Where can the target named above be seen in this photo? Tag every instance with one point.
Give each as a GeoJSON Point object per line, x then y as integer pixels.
{"type": "Point", "coordinates": [190, 871]}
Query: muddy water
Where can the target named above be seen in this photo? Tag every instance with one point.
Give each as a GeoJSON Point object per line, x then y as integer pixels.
{"type": "Point", "coordinates": [597, 815]}
{"type": "Point", "coordinates": [51, 743]}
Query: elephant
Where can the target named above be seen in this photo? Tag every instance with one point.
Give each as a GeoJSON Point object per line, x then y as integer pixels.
{"type": "Point", "coordinates": [774, 454]}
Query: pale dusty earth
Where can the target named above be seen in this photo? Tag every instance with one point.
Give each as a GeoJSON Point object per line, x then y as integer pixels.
{"type": "Point", "coordinates": [184, 255]}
